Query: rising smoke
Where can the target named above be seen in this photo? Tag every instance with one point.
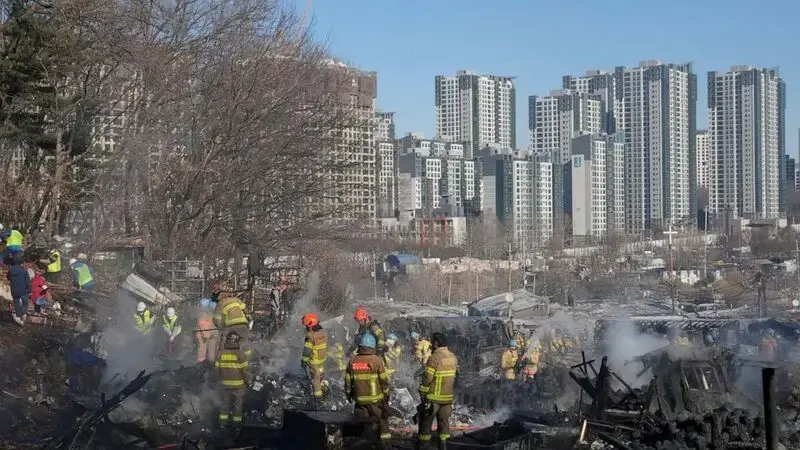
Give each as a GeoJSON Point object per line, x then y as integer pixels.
{"type": "Point", "coordinates": [623, 343]}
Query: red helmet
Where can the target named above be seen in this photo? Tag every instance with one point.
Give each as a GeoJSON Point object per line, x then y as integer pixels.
{"type": "Point", "coordinates": [310, 320]}
{"type": "Point", "coordinates": [361, 314]}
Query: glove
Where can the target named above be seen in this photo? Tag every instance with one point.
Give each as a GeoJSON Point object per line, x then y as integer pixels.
{"type": "Point", "coordinates": [250, 325]}
{"type": "Point", "coordinates": [172, 338]}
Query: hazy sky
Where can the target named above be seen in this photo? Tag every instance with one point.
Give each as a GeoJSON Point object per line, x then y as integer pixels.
{"type": "Point", "coordinates": [408, 42]}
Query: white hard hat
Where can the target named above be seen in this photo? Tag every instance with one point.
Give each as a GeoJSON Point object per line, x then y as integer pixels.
{"type": "Point", "coordinates": [72, 261]}
{"type": "Point", "coordinates": [82, 257]}
{"type": "Point", "coordinates": [140, 307]}
{"type": "Point", "coordinates": [170, 312]}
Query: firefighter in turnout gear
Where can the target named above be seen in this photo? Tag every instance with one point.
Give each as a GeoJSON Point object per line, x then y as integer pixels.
{"type": "Point", "coordinates": [144, 319]}
{"type": "Point", "coordinates": [336, 362]}
{"type": "Point", "coordinates": [367, 325]}
{"type": "Point", "coordinates": [530, 362]}
{"type": "Point", "coordinates": [315, 352]}
{"type": "Point", "coordinates": [392, 355]}
{"type": "Point", "coordinates": [206, 333]}
{"type": "Point", "coordinates": [229, 315]}
{"type": "Point", "coordinates": [422, 348]}
{"type": "Point", "coordinates": [234, 374]}
{"type": "Point", "coordinates": [437, 392]}
{"type": "Point", "coordinates": [509, 360]}
{"type": "Point", "coordinates": [367, 384]}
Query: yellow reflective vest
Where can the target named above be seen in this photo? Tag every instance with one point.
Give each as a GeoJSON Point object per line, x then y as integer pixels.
{"type": "Point", "coordinates": [55, 262]}
{"type": "Point", "coordinates": [144, 321]}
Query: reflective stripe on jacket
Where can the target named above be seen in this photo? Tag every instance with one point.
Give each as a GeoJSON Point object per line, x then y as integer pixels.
{"type": "Point", "coordinates": [366, 380]}
{"type": "Point", "coordinates": [422, 351]}
{"type": "Point", "coordinates": [170, 324]}
{"type": "Point", "coordinates": [392, 358]}
{"type": "Point", "coordinates": [438, 382]}
{"type": "Point", "coordinates": [144, 321]}
{"type": "Point", "coordinates": [315, 347]}
{"type": "Point", "coordinates": [233, 368]}
{"type": "Point", "coordinates": [337, 356]}
{"type": "Point", "coordinates": [230, 312]}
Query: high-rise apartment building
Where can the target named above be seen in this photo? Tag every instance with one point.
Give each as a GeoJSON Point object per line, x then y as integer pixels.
{"type": "Point", "coordinates": [746, 108]}
{"type": "Point", "coordinates": [596, 185]}
{"type": "Point", "coordinates": [790, 169]}
{"type": "Point", "coordinates": [386, 165]}
{"type": "Point", "coordinates": [556, 119]}
{"type": "Point", "coordinates": [658, 116]}
{"type": "Point", "coordinates": [384, 126]}
{"type": "Point", "coordinates": [476, 109]}
{"type": "Point", "coordinates": [703, 160]}
{"type": "Point", "coordinates": [604, 86]}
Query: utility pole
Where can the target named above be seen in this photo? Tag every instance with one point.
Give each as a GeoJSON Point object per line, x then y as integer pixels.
{"type": "Point", "coordinates": [797, 261]}
{"type": "Point", "coordinates": [705, 245]}
{"type": "Point", "coordinates": [672, 275]}
{"type": "Point", "coordinates": [374, 279]}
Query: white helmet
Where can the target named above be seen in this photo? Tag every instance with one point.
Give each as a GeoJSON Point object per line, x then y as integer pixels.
{"type": "Point", "coordinates": [170, 312]}
{"type": "Point", "coordinates": [82, 257]}
{"type": "Point", "coordinates": [72, 261]}
{"type": "Point", "coordinates": [140, 307]}
{"type": "Point", "coordinates": [2, 227]}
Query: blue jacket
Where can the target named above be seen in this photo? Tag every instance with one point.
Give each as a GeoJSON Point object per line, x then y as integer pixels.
{"type": "Point", "coordinates": [20, 281]}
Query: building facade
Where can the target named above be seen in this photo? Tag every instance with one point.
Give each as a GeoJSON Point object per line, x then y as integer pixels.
{"type": "Point", "coordinates": [658, 116]}
{"type": "Point", "coordinates": [746, 108]}
{"type": "Point", "coordinates": [603, 85]}
{"type": "Point", "coordinates": [476, 109]}
{"type": "Point", "coordinates": [556, 119]}
{"type": "Point", "coordinates": [703, 160]}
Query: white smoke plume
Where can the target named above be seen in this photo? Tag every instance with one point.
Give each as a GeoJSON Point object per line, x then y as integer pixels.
{"type": "Point", "coordinates": [497, 416]}
{"type": "Point", "coordinates": [623, 343]}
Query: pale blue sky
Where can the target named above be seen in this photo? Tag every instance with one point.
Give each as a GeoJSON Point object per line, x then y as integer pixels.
{"type": "Point", "coordinates": [408, 42]}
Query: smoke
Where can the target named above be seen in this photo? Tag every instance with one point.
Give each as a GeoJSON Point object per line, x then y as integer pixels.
{"type": "Point", "coordinates": [623, 343]}
{"type": "Point", "coordinates": [497, 416]}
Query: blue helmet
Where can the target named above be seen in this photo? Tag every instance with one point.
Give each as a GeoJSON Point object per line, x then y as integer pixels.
{"type": "Point", "coordinates": [513, 343]}
{"type": "Point", "coordinates": [391, 337]}
{"type": "Point", "coordinates": [205, 302]}
{"type": "Point", "coordinates": [367, 340]}
{"type": "Point", "coordinates": [212, 305]}
{"type": "Point", "coordinates": [415, 335]}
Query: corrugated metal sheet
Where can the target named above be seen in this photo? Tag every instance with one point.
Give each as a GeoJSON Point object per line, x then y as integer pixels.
{"type": "Point", "coordinates": [519, 304]}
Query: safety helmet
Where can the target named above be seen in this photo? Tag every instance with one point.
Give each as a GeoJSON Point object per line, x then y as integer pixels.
{"type": "Point", "coordinates": [72, 261]}
{"type": "Point", "coordinates": [367, 340]}
{"type": "Point", "coordinates": [415, 335]}
{"type": "Point", "coordinates": [82, 257]}
{"type": "Point", "coordinates": [512, 343]}
{"type": "Point", "coordinates": [232, 338]}
{"type": "Point", "coordinates": [205, 302]}
{"type": "Point", "coordinates": [391, 337]}
{"type": "Point", "coordinates": [361, 314]}
{"type": "Point", "coordinates": [140, 307]}
{"type": "Point", "coordinates": [212, 305]}
{"type": "Point", "coordinates": [170, 312]}
{"type": "Point", "coordinates": [310, 320]}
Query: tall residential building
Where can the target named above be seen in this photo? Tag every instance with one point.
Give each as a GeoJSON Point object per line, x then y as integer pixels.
{"type": "Point", "coordinates": [476, 109]}
{"type": "Point", "coordinates": [746, 108]}
{"type": "Point", "coordinates": [604, 86]}
{"type": "Point", "coordinates": [703, 163]}
{"type": "Point", "coordinates": [556, 119]}
{"type": "Point", "coordinates": [596, 184]}
{"type": "Point", "coordinates": [790, 169]}
{"type": "Point", "coordinates": [658, 115]}
{"type": "Point", "coordinates": [384, 126]}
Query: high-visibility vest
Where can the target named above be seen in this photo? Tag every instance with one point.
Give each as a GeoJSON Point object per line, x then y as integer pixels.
{"type": "Point", "coordinates": [55, 265]}
{"type": "Point", "coordinates": [84, 274]}
{"type": "Point", "coordinates": [170, 323]}
{"type": "Point", "coordinates": [144, 321]}
{"type": "Point", "coordinates": [15, 238]}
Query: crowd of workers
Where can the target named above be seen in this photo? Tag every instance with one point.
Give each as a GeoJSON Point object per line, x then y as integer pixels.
{"type": "Point", "coordinates": [31, 268]}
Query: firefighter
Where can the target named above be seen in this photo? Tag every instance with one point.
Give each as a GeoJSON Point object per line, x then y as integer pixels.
{"type": "Point", "coordinates": [144, 319]}
{"type": "Point", "coordinates": [229, 315]}
{"type": "Point", "coordinates": [509, 360]}
{"type": "Point", "coordinates": [392, 355]}
{"type": "Point", "coordinates": [315, 352]}
{"type": "Point", "coordinates": [422, 348]}
{"type": "Point", "coordinates": [336, 361]}
{"type": "Point", "coordinates": [171, 327]}
{"type": "Point", "coordinates": [530, 365]}
{"type": "Point", "coordinates": [234, 374]}
{"type": "Point", "coordinates": [206, 334]}
{"type": "Point", "coordinates": [367, 325]}
{"type": "Point", "coordinates": [437, 392]}
{"type": "Point", "coordinates": [367, 384]}
{"type": "Point", "coordinates": [769, 345]}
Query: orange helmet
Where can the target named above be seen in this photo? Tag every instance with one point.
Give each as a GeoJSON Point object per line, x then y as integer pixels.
{"type": "Point", "coordinates": [310, 320]}
{"type": "Point", "coordinates": [361, 314]}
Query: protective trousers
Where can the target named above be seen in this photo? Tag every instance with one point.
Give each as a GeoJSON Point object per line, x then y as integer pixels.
{"type": "Point", "coordinates": [315, 373]}
{"type": "Point", "coordinates": [442, 415]}
{"type": "Point", "coordinates": [207, 343]}
{"type": "Point", "coordinates": [377, 411]}
{"type": "Point", "coordinates": [231, 412]}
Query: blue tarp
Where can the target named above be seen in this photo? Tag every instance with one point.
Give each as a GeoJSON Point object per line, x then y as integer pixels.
{"type": "Point", "coordinates": [403, 260]}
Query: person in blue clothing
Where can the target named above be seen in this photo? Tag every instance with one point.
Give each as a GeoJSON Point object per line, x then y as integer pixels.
{"type": "Point", "coordinates": [20, 288]}
{"type": "Point", "coordinates": [82, 275]}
